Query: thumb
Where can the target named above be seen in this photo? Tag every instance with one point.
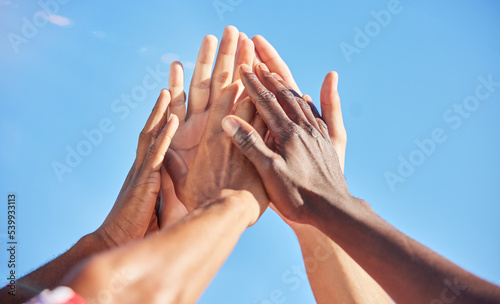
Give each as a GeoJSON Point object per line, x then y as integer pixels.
{"type": "Point", "coordinates": [176, 168]}
{"type": "Point", "coordinates": [249, 142]}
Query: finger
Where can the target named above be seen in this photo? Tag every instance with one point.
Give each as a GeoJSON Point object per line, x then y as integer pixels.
{"type": "Point", "coordinates": [259, 125]}
{"type": "Point", "coordinates": [246, 55]}
{"type": "Point", "coordinates": [156, 152]}
{"type": "Point", "coordinates": [176, 88]}
{"type": "Point", "coordinates": [332, 115]}
{"type": "Point", "coordinates": [245, 110]}
{"type": "Point", "coordinates": [285, 97]}
{"type": "Point", "coordinates": [176, 168]}
{"type": "Point", "coordinates": [199, 90]}
{"type": "Point", "coordinates": [330, 107]}
{"type": "Point", "coordinates": [270, 57]}
{"type": "Point", "coordinates": [307, 107]}
{"type": "Point", "coordinates": [246, 139]}
{"type": "Point", "coordinates": [153, 125]}
{"type": "Point", "coordinates": [224, 65]}
{"type": "Point", "coordinates": [221, 108]}
{"type": "Point", "coordinates": [265, 101]}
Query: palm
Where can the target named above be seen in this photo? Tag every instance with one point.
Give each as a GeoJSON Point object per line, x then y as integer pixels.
{"type": "Point", "coordinates": [187, 138]}
{"type": "Point", "coordinates": [206, 87]}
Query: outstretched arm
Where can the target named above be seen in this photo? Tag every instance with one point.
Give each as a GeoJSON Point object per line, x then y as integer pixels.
{"type": "Point", "coordinates": [333, 275]}
{"type": "Point", "coordinates": [132, 216]}
{"type": "Point", "coordinates": [224, 195]}
{"type": "Point", "coordinates": [308, 186]}
{"type": "Point", "coordinates": [174, 266]}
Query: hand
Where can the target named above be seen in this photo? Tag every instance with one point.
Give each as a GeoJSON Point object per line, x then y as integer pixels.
{"type": "Point", "coordinates": [204, 90]}
{"type": "Point", "coordinates": [329, 96]}
{"type": "Point", "coordinates": [329, 99]}
{"type": "Point", "coordinates": [133, 213]}
{"type": "Point", "coordinates": [218, 165]}
{"type": "Point", "coordinates": [303, 175]}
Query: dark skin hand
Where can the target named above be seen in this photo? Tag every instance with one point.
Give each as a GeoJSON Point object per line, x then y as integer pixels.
{"type": "Point", "coordinates": [303, 179]}
{"type": "Point", "coordinates": [218, 164]}
{"type": "Point", "coordinates": [296, 134]}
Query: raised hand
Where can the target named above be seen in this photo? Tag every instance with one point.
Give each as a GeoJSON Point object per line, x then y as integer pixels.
{"type": "Point", "coordinates": [133, 213]}
{"type": "Point", "coordinates": [218, 165]}
{"type": "Point", "coordinates": [235, 49]}
{"type": "Point", "coordinates": [303, 174]}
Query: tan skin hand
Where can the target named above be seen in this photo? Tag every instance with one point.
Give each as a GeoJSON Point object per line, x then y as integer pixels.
{"type": "Point", "coordinates": [133, 214]}
{"type": "Point", "coordinates": [219, 165]}
{"type": "Point", "coordinates": [235, 49]}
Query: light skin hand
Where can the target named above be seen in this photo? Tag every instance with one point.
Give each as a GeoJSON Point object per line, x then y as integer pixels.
{"type": "Point", "coordinates": [219, 165]}
{"type": "Point", "coordinates": [235, 49]}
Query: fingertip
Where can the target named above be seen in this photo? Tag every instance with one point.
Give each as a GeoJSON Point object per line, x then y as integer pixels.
{"type": "Point", "coordinates": [262, 66]}
{"type": "Point", "coordinates": [333, 78]}
{"type": "Point", "coordinates": [173, 119]}
{"type": "Point", "coordinates": [307, 98]}
{"type": "Point", "coordinates": [258, 39]}
{"type": "Point", "coordinates": [230, 29]}
{"type": "Point", "coordinates": [210, 40]}
{"type": "Point", "coordinates": [244, 68]}
{"type": "Point", "coordinates": [165, 93]}
{"type": "Point", "coordinates": [243, 36]}
{"type": "Point", "coordinates": [230, 125]}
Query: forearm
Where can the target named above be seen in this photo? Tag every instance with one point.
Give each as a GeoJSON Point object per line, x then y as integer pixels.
{"type": "Point", "coordinates": [49, 275]}
{"type": "Point", "coordinates": [407, 270]}
{"type": "Point", "coordinates": [333, 275]}
{"type": "Point", "coordinates": [176, 265]}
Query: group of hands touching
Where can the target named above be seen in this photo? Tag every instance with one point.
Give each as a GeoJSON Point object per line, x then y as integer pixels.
{"type": "Point", "coordinates": [209, 163]}
{"type": "Point", "coordinates": [246, 130]}
{"type": "Point", "coordinates": [244, 134]}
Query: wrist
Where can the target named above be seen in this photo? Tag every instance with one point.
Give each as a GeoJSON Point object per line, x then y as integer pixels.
{"type": "Point", "coordinates": [341, 212]}
{"type": "Point", "coordinates": [241, 202]}
{"type": "Point", "coordinates": [100, 240]}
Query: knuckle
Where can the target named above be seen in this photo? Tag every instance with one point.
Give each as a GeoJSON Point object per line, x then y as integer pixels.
{"type": "Point", "coordinates": [285, 94]}
{"type": "Point", "coordinates": [202, 85]}
{"type": "Point", "coordinates": [264, 96]}
{"type": "Point", "coordinates": [223, 77]}
{"type": "Point", "coordinates": [247, 140]}
{"type": "Point", "coordinates": [143, 136]}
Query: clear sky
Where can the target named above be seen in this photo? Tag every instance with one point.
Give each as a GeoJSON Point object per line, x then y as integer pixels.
{"type": "Point", "coordinates": [419, 84]}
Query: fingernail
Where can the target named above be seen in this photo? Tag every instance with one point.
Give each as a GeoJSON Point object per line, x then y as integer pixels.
{"type": "Point", "coordinates": [230, 126]}
{"type": "Point", "coordinates": [245, 68]}
{"type": "Point", "coordinates": [277, 76]}
{"type": "Point", "coordinates": [263, 67]}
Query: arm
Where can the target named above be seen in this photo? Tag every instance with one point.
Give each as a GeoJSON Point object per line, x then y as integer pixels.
{"type": "Point", "coordinates": [333, 275]}
{"type": "Point", "coordinates": [49, 275]}
{"type": "Point", "coordinates": [224, 195]}
{"type": "Point", "coordinates": [132, 216]}
{"type": "Point", "coordinates": [308, 187]}
{"type": "Point", "coordinates": [181, 261]}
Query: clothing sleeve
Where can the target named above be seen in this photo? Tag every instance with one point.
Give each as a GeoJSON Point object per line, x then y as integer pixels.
{"type": "Point", "coordinates": [59, 295]}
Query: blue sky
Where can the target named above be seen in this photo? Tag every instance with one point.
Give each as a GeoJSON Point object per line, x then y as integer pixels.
{"type": "Point", "coordinates": [418, 92]}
